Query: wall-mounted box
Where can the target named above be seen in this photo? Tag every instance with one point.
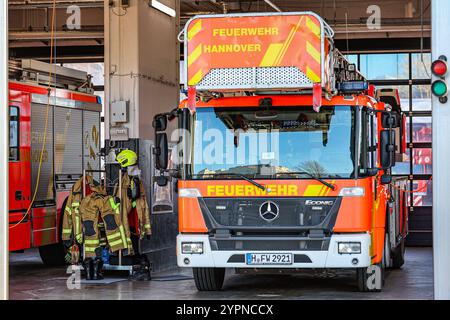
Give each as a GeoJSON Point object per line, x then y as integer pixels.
{"type": "Point", "coordinates": [119, 112]}
{"type": "Point", "coordinates": [119, 134]}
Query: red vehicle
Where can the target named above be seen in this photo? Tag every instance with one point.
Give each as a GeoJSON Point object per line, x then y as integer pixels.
{"type": "Point", "coordinates": [54, 136]}
{"type": "Point", "coordinates": [286, 154]}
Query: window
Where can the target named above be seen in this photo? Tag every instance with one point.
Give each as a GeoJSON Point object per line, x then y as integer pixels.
{"type": "Point", "coordinates": [282, 141]}
{"type": "Point", "coordinates": [95, 69]}
{"type": "Point", "coordinates": [422, 193]}
{"type": "Point", "coordinates": [421, 98]}
{"type": "Point", "coordinates": [403, 166]}
{"type": "Point", "coordinates": [369, 147]}
{"type": "Point", "coordinates": [374, 139]}
{"type": "Point", "coordinates": [385, 66]}
{"type": "Point", "coordinates": [422, 130]}
{"type": "Point", "coordinates": [403, 91]}
{"type": "Point", "coordinates": [353, 58]}
{"type": "Point", "coordinates": [13, 134]}
{"type": "Point", "coordinates": [422, 161]}
{"type": "Point", "coordinates": [421, 65]}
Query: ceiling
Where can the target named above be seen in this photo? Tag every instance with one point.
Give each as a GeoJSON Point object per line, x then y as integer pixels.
{"type": "Point", "coordinates": [402, 25]}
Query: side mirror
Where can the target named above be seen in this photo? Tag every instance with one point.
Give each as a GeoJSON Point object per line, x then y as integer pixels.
{"type": "Point", "coordinates": [160, 123]}
{"type": "Point", "coordinates": [387, 149]}
{"type": "Point", "coordinates": [372, 172]}
{"type": "Point", "coordinates": [386, 179]}
{"type": "Point", "coordinates": [161, 151]}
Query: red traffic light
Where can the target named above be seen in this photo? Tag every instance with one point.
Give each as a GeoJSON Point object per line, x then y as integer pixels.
{"type": "Point", "coordinates": [439, 68]}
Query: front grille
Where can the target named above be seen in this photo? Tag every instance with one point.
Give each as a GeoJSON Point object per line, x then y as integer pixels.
{"type": "Point", "coordinates": [230, 213]}
{"type": "Point", "coordinates": [269, 244]}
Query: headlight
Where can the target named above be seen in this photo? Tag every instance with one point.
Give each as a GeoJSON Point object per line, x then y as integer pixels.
{"type": "Point", "coordinates": [352, 192]}
{"type": "Point", "coordinates": [192, 247]}
{"type": "Point", "coordinates": [189, 193]}
{"type": "Point", "coordinates": [349, 247]}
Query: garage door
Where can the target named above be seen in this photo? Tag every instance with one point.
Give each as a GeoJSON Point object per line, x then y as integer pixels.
{"type": "Point", "coordinates": [410, 73]}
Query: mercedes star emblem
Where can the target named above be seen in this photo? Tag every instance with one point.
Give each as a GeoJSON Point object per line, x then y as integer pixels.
{"type": "Point", "coordinates": [269, 211]}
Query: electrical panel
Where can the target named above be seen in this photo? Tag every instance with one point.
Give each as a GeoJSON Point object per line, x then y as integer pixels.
{"type": "Point", "coordinates": [119, 112]}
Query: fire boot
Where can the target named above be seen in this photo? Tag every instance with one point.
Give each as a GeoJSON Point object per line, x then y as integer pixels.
{"type": "Point", "coordinates": [143, 273]}
{"type": "Point", "coordinates": [97, 272]}
{"type": "Point", "coordinates": [88, 268]}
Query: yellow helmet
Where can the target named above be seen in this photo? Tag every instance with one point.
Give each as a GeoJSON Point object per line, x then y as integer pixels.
{"type": "Point", "coordinates": [126, 158]}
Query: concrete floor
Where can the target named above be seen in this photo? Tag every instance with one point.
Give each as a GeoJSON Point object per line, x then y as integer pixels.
{"type": "Point", "coordinates": [29, 279]}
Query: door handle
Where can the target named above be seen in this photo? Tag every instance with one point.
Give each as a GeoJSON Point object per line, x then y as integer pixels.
{"type": "Point", "coordinates": [18, 195]}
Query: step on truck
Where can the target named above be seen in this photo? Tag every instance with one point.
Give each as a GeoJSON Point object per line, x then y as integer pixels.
{"type": "Point", "coordinates": [282, 154]}
{"type": "Point", "coordinates": [54, 134]}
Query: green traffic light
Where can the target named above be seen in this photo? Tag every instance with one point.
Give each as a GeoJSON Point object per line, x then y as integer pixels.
{"type": "Point", "coordinates": [439, 88]}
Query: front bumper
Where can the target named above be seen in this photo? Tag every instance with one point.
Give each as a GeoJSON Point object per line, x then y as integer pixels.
{"type": "Point", "coordinates": [302, 259]}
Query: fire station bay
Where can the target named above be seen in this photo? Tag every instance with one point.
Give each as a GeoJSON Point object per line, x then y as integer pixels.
{"type": "Point", "coordinates": [225, 150]}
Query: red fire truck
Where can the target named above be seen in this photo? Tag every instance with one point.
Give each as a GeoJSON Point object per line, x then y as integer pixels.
{"type": "Point", "coordinates": [54, 136]}
{"type": "Point", "coordinates": [284, 154]}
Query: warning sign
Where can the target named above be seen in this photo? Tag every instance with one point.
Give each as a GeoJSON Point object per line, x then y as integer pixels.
{"type": "Point", "coordinates": [254, 41]}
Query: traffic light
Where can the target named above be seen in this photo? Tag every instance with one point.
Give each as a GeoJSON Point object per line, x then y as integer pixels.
{"type": "Point", "coordinates": [439, 87]}
{"type": "Point", "coordinates": [439, 67]}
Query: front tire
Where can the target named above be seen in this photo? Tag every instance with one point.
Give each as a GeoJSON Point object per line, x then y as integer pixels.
{"type": "Point", "coordinates": [209, 279]}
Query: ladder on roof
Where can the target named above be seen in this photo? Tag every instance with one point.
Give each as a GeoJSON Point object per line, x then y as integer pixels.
{"type": "Point", "coordinates": [262, 52]}
{"type": "Point", "coordinates": [38, 72]}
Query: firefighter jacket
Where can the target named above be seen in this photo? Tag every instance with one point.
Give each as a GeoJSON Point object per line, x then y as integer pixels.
{"type": "Point", "coordinates": [125, 209]}
{"type": "Point", "coordinates": [133, 198]}
{"type": "Point", "coordinates": [97, 205]}
{"type": "Point", "coordinates": [71, 226]}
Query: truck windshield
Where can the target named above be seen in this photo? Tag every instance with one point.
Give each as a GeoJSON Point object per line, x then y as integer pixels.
{"type": "Point", "coordinates": [281, 143]}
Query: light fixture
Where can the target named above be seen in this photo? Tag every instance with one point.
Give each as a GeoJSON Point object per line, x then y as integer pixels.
{"type": "Point", "coordinates": [349, 247]}
{"type": "Point", "coordinates": [189, 193]}
{"type": "Point", "coordinates": [439, 68]}
{"type": "Point", "coordinates": [352, 192]}
{"type": "Point", "coordinates": [192, 247]}
{"type": "Point", "coordinates": [439, 88]}
{"type": "Point", "coordinates": [163, 8]}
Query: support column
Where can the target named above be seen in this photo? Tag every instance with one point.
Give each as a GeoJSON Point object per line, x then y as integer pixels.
{"type": "Point", "coordinates": [142, 73]}
{"type": "Point", "coordinates": [4, 110]}
{"type": "Point", "coordinates": [441, 156]}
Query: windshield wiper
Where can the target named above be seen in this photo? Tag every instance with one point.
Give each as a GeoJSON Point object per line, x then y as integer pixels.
{"type": "Point", "coordinates": [253, 182]}
{"type": "Point", "coordinates": [329, 185]}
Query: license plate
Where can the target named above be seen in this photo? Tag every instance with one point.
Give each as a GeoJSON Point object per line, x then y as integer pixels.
{"type": "Point", "coordinates": [268, 258]}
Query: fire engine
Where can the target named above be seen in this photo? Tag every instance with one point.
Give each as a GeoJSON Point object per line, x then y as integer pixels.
{"type": "Point", "coordinates": [283, 154]}
{"type": "Point", "coordinates": [54, 135]}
